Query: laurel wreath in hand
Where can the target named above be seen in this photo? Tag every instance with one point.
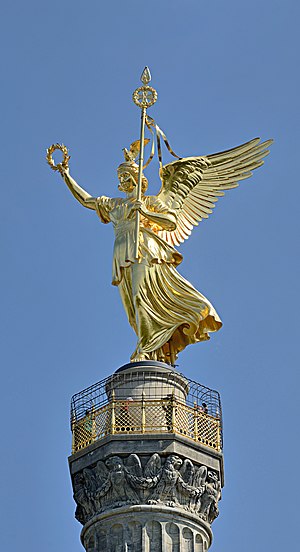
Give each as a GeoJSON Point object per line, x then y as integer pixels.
{"type": "Point", "coordinates": [65, 162]}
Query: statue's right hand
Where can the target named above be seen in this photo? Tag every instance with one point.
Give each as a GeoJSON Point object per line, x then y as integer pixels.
{"type": "Point", "coordinates": [63, 170]}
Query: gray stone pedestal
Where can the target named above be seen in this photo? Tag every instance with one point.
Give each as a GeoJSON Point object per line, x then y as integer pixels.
{"type": "Point", "coordinates": [149, 477]}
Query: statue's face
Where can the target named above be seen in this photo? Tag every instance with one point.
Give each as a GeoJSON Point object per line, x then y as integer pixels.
{"type": "Point", "coordinates": [127, 182]}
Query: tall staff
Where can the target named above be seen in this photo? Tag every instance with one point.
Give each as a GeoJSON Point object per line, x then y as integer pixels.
{"type": "Point", "coordinates": [144, 97]}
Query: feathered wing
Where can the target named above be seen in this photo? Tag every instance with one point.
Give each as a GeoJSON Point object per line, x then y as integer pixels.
{"type": "Point", "coordinates": [101, 472]}
{"type": "Point", "coordinates": [133, 465]}
{"type": "Point", "coordinates": [153, 466]}
{"type": "Point", "coordinates": [191, 186]}
{"type": "Point", "coordinates": [187, 471]}
{"type": "Point", "coordinates": [200, 477]}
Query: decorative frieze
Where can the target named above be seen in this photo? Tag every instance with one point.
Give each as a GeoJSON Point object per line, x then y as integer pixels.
{"type": "Point", "coordinates": [172, 482]}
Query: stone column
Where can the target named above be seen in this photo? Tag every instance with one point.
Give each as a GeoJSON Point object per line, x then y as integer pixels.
{"type": "Point", "coordinates": [152, 528]}
{"type": "Point", "coordinates": [154, 490]}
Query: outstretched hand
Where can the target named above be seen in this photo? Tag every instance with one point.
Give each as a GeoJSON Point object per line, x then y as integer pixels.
{"type": "Point", "coordinates": [63, 170]}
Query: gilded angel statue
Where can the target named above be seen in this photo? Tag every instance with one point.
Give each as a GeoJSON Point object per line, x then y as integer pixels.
{"type": "Point", "coordinates": [166, 312]}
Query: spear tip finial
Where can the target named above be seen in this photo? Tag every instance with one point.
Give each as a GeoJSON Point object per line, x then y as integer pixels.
{"type": "Point", "coordinates": [146, 76]}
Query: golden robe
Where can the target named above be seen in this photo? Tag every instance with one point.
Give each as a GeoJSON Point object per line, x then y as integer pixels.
{"type": "Point", "coordinates": [165, 310]}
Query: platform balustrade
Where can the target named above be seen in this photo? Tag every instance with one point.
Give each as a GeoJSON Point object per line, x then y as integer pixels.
{"type": "Point", "coordinates": [135, 417]}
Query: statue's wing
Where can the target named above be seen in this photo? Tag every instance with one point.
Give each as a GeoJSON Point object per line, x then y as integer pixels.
{"type": "Point", "coordinates": [191, 186]}
{"type": "Point", "coordinates": [89, 479]}
{"type": "Point", "coordinates": [153, 466]}
{"type": "Point", "coordinates": [101, 473]}
{"type": "Point", "coordinates": [133, 465]}
{"type": "Point", "coordinates": [200, 477]}
{"type": "Point", "coordinates": [187, 471]}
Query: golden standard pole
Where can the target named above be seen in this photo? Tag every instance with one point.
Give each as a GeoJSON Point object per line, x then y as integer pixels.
{"type": "Point", "coordinates": [143, 97]}
{"type": "Point", "coordinates": [139, 188]}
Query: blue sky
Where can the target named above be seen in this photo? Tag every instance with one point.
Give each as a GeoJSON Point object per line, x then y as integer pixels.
{"type": "Point", "coordinates": [225, 72]}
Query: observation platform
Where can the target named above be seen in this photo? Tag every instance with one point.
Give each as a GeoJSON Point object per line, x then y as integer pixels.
{"type": "Point", "coordinates": [146, 398]}
{"type": "Point", "coordinates": [147, 463]}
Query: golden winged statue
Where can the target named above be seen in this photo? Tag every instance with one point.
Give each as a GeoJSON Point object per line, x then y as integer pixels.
{"type": "Point", "coordinates": [166, 312]}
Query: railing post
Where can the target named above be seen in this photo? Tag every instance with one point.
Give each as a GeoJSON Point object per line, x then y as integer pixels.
{"type": "Point", "coordinates": [143, 412]}
{"type": "Point", "coordinates": [173, 412]}
{"type": "Point", "coordinates": [218, 436]}
{"type": "Point", "coordinates": [73, 424]}
{"type": "Point", "coordinates": [93, 421]}
{"type": "Point", "coordinates": [195, 421]}
{"type": "Point", "coordinates": [113, 413]}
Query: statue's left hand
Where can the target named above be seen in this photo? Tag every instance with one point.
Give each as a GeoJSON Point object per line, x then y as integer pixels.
{"type": "Point", "coordinates": [138, 206]}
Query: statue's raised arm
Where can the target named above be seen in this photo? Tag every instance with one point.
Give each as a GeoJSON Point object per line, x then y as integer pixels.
{"type": "Point", "coordinates": [79, 193]}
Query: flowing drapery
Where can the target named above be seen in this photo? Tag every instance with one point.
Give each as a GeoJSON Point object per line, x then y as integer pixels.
{"type": "Point", "coordinates": [165, 310]}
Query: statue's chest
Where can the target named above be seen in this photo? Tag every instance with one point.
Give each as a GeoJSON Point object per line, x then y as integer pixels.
{"type": "Point", "coordinates": [123, 211]}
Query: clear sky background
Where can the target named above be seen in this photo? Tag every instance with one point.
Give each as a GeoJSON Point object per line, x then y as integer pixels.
{"type": "Point", "coordinates": [225, 72]}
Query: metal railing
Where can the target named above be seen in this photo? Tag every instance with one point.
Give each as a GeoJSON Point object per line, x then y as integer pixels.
{"type": "Point", "coordinates": [164, 415]}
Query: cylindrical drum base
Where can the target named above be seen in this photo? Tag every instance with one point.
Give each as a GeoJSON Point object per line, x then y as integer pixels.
{"type": "Point", "coordinates": [146, 528]}
{"type": "Point", "coordinates": [152, 380]}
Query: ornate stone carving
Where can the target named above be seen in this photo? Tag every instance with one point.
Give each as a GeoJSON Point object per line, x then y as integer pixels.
{"type": "Point", "coordinates": [174, 483]}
